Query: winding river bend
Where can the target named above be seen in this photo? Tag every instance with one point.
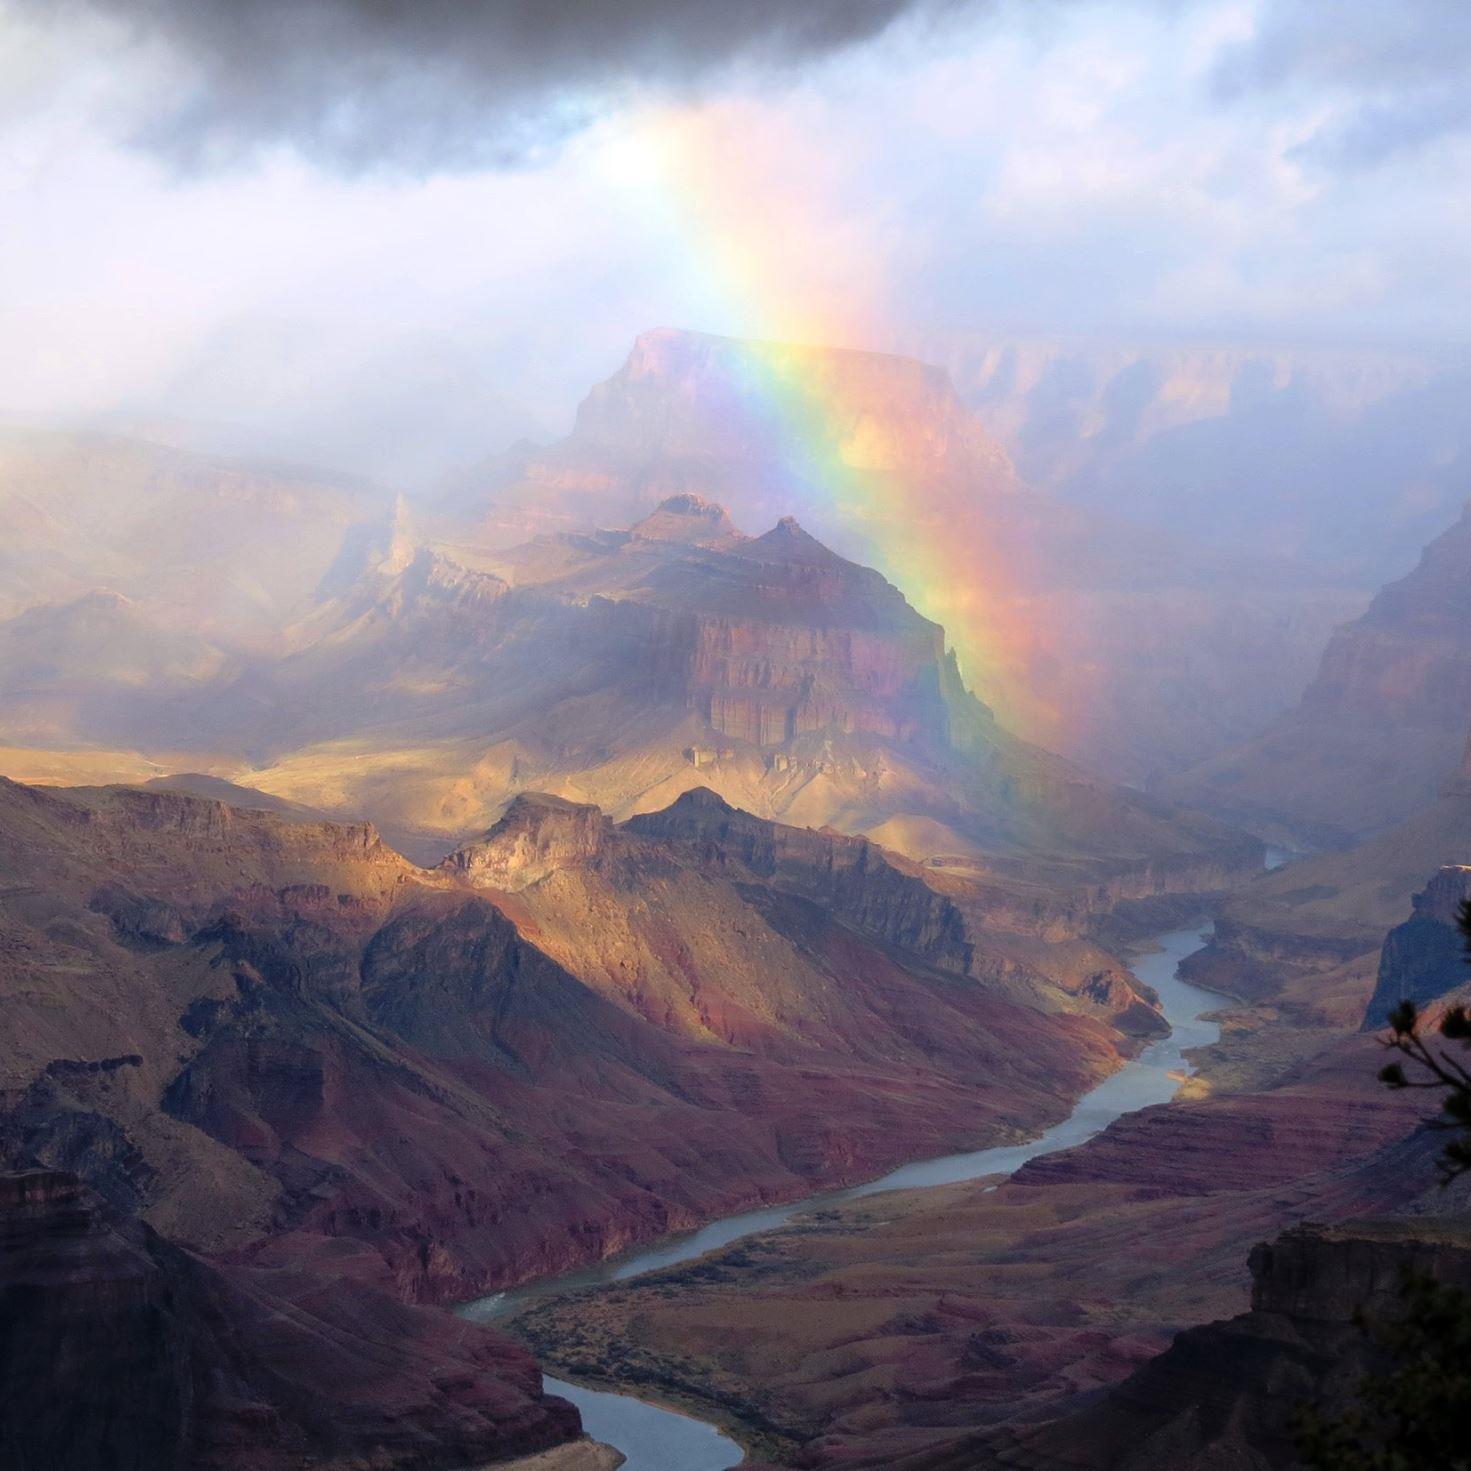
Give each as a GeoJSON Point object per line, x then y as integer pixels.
{"type": "Point", "coordinates": [656, 1439]}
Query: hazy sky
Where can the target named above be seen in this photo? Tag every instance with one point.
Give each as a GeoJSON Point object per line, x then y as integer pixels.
{"type": "Point", "coordinates": [392, 236]}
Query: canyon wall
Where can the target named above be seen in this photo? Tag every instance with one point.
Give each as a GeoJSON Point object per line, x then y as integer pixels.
{"type": "Point", "coordinates": [1424, 957]}
{"type": "Point", "coordinates": [1224, 1394]}
{"type": "Point", "coordinates": [1380, 731]}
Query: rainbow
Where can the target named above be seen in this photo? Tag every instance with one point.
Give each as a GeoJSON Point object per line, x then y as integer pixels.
{"type": "Point", "coordinates": [740, 210]}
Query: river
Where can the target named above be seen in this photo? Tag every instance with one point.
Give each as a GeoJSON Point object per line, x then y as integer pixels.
{"type": "Point", "coordinates": [656, 1439]}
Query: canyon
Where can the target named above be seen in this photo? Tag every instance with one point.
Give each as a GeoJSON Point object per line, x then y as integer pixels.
{"type": "Point", "coordinates": [1019, 1320]}
{"type": "Point", "coordinates": [426, 683]}
{"type": "Point", "coordinates": [1379, 733]}
{"type": "Point", "coordinates": [191, 1038]}
{"type": "Point", "coordinates": [1137, 649]}
{"type": "Point", "coordinates": [1128, 648]}
{"type": "Point", "coordinates": [471, 898]}
{"type": "Point", "coordinates": [273, 1080]}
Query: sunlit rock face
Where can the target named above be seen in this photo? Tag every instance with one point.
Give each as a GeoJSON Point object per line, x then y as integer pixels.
{"type": "Point", "coordinates": [273, 1037]}
{"type": "Point", "coordinates": [623, 668]}
{"type": "Point", "coordinates": [1380, 731]}
{"type": "Point", "coordinates": [781, 638]}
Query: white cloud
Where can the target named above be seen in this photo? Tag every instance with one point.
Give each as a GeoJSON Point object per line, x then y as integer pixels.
{"type": "Point", "coordinates": [1076, 167]}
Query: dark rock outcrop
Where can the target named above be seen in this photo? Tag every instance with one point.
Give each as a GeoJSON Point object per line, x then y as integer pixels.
{"type": "Point", "coordinates": [120, 1350]}
{"type": "Point", "coordinates": [1426, 956]}
{"type": "Point", "coordinates": [1222, 1396]}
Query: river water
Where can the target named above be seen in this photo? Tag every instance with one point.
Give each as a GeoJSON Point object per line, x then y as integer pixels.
{"type": "Point", "coordinates": [656, 1439]}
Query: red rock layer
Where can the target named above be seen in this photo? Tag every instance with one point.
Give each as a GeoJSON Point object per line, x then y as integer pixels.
{"type": "Point", "coordinates": [895, 1326]}
{"type": "Point", "coordinates": [299, 1040]}
{"type": "Point", "coordinates": [1223, 1395]}
{"type": "Point", "coordinates": [123, 1351]}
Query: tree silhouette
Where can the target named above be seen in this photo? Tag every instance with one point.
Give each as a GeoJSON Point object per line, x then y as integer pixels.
{"type": "Point", "coordinates": [1415, 1413]}
{"type": "Point", "coordinates": [1436, 1067]}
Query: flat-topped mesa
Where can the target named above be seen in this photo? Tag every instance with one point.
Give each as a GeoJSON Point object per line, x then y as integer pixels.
{"type": "Point", "coordinates": [538, 834]}
{"type": "Point", "coordinates": [692, 395]}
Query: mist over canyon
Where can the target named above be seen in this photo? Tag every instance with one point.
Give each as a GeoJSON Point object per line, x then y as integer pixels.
{"type": "Point", "coordinates": [729, 740]}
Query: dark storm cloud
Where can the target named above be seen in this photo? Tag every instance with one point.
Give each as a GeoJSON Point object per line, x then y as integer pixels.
{"type": "Point", "coordinates": [1397, 67]}
{"type": "Point", "coordinates": [434, 84]}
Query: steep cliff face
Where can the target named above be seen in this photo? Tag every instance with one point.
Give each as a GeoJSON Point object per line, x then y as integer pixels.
{"type": "Point", "coordinates": [1380, 731]}
{"type": "Point", "coordinates": [771, 637]}
{"type": "Point", "coordinates": [122, 1350]}
{"type": "Point", "coordinates": [1222, 1396]}
{"type": "Point", "coordinates": [1426, 956]}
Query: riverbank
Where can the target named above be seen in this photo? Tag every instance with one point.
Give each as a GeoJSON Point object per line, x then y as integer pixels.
{"type": "Point", "coordinates": [877, 1326]}
{"type": "Point", "coordinates": [568, 1310]}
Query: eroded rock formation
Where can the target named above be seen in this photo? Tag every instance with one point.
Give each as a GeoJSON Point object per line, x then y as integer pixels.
{"type": "Point", "coordinates": [1425, 957]}
{"type": "Point", "coordinates": [276, 1036]}
{"type": "Point", "coordinates": [122, 1350]}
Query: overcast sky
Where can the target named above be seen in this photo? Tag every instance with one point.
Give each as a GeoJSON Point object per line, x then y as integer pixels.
{"type": "Point", "coordinates": [393, 236]}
